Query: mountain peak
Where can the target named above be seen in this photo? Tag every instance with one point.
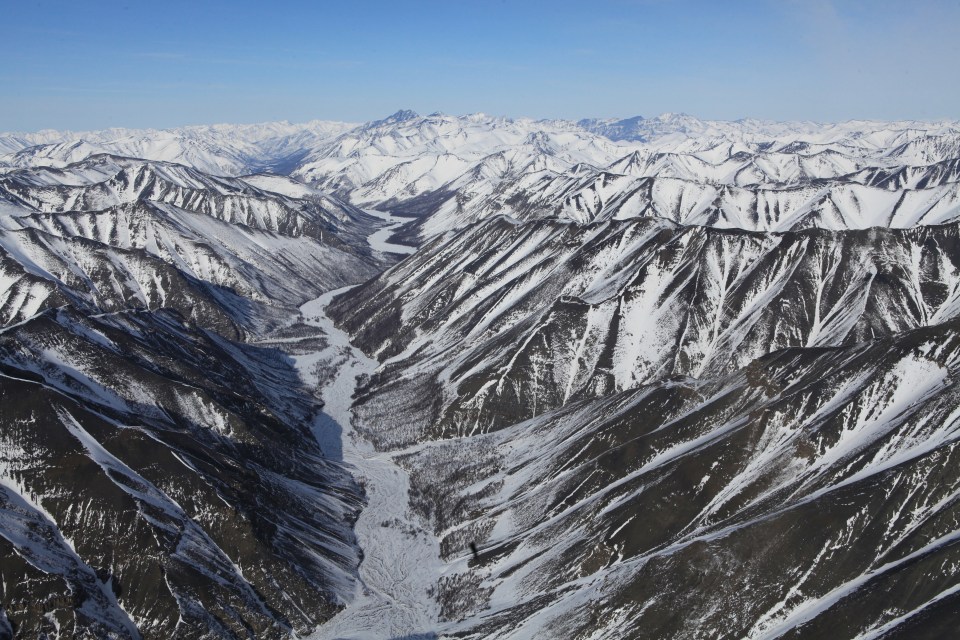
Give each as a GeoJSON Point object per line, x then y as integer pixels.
{"type": "Point", "coordinates": [402, 115]}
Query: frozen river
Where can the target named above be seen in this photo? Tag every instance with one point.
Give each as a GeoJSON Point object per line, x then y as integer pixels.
{"type": "Point", "coordinates": [401, 555]}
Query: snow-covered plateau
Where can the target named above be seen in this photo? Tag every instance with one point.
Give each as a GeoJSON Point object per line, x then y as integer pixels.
{"type": "Point", "coordinates": [479, 377]}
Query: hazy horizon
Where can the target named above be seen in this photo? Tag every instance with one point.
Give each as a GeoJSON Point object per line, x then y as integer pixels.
{"type": "Point", "coordinates": [200, 125]}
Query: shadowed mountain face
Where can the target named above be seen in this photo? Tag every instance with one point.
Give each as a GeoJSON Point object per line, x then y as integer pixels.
{"type": "Point", "coordinates": [652, 430]}
{"type": "Point", "coordinates": [161, 478]}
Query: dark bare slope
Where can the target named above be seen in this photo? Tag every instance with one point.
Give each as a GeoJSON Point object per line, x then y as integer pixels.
{"type": "Point", "coordinates": [168, 477]}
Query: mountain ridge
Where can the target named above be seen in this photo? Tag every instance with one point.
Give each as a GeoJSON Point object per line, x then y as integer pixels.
{"type": "Point", "coordinates": [695, 380]}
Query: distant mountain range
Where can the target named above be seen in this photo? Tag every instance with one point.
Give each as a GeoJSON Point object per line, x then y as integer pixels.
{"type": "Point", "coordinates": [454, 170]}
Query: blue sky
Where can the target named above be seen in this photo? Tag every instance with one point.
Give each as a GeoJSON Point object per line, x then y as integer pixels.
{"type": "Point", "coordinates": [95, 64]}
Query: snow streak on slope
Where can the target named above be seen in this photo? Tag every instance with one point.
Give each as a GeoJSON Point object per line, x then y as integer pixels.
{"type": "Point", "coordinates": [514, 320]}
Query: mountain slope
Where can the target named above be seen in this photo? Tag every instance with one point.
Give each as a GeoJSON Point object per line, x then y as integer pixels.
{"type": "Point", "coordinates": [220, 150]}
{"type": "Point", "coordinates": [125, 232]}
{"type": "Point", "coordinates": [452, 171]}
{"type": "Point", "coordinates": [801, 497]}
{"type": "Point", "coordinates": [160, 475]}
{"type": "Point", "coordinates": [629, 415]}
{"type": "Point", "coordinates": [404, 155]}
{"type": "Point", "coordinates": [166, 475]}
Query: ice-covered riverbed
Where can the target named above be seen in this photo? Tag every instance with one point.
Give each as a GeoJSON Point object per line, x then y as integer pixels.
{"type": "Point", "coordinates": [401, 556]}
{"type": "Point", "coordinates": [378, 239]}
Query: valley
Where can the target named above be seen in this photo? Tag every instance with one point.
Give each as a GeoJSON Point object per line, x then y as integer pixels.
{"type": "Point", "coordinates": [401, 557]}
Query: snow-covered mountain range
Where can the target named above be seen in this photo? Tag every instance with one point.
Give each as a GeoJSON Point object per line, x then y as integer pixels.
{"type": "Point", "coordinates": [640, 378]}
{"type": "Point", "coordinates": [451, 171]}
